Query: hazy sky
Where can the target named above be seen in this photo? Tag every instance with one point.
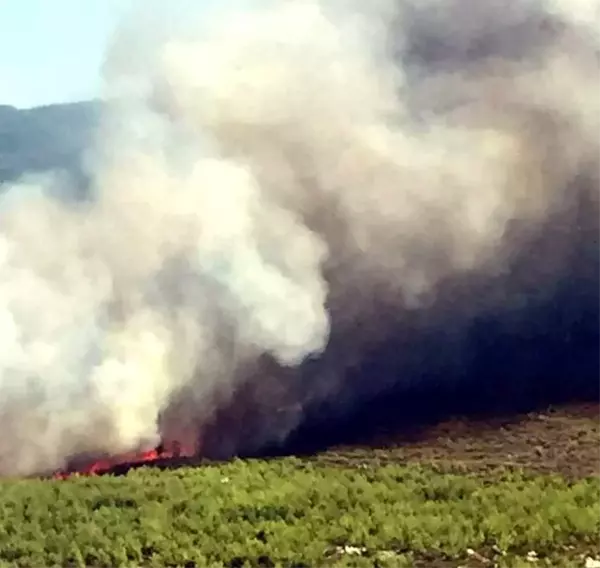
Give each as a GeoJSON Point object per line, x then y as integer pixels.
{"type": "Point", "coordinates": [51, 50]}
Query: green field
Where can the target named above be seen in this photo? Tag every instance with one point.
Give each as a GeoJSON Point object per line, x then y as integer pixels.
{"type": "Point", "coordinates": [290, 512]}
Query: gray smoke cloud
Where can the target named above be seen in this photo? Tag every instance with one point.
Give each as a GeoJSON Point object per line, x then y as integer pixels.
{"type": "Point", "coordinates": [275, 186]}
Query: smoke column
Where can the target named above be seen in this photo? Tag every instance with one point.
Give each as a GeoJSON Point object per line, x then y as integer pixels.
{"type": "Point", "coordinates": [277, 189]}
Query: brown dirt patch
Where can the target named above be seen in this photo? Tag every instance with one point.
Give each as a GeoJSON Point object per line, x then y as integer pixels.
{"type": "Point", "coordinates": [563, 440]}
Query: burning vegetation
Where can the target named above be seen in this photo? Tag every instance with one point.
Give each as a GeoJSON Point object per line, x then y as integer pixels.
{"type": "Point", "coordinates": [160, 455]}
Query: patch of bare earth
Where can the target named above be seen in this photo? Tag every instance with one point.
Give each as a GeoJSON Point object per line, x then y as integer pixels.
{"type": "Point", "coordinates": [563, 440]}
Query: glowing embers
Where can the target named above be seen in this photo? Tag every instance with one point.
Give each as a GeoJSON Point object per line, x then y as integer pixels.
{"type": "Point", "coordinates": [161, 453]}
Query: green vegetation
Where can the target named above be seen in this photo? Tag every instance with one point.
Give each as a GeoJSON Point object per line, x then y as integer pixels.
{"type": "Point", "coordinates": [296, 513]}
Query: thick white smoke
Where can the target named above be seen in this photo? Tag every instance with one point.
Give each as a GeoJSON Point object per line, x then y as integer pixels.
{"type": "Point", "coordinates": [284, 185]}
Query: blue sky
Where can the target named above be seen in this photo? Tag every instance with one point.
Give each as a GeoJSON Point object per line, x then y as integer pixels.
{"type": "Point", "coordinates": [51, 50]}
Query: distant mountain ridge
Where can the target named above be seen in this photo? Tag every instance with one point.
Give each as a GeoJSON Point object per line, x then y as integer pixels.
{"type": "Point", "coordinates": [45, 138]}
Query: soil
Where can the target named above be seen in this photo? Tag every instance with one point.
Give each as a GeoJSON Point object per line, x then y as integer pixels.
{"type": "Point", "coordinates": [563, 440]}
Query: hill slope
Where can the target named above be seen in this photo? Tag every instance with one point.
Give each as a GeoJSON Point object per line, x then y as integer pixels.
{"type": "Point", "coordinates": [44, 138]}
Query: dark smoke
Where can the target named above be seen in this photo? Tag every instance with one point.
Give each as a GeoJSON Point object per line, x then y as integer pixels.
{"type": "Point", "coordinates": [506, 342]}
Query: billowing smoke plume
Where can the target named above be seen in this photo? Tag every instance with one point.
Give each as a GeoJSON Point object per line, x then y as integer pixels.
{"type": "Point", "coordinates": [278, 191]}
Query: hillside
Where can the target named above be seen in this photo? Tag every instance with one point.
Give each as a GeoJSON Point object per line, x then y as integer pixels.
{"type": "Point", "coordinates": [44, 138]}
{"type": "Point", "coordinates": [519, 491]}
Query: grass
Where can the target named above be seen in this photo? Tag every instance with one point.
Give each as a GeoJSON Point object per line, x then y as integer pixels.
{"type": "Point", "coordinates": [294, 513]}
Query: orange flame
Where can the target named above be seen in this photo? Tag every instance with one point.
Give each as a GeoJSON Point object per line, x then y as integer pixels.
{"type": "Point", "coordinates": [105, 465]}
